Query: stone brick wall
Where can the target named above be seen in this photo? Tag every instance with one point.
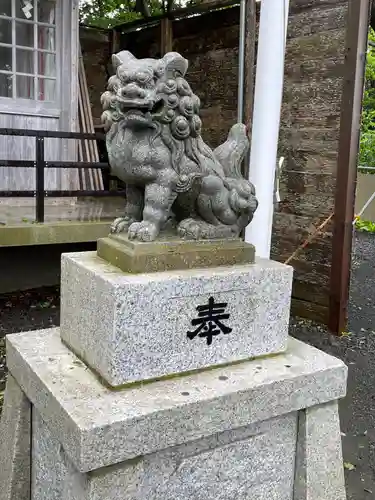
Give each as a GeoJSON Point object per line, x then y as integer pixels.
{"type": "Point", "coordinates": [309, 126]}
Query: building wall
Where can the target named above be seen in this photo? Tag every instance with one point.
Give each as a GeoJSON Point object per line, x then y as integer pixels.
{"type": "Point", "coordinates": [63, 117]}
{"type": "Point", "coordinates": [309, 121]}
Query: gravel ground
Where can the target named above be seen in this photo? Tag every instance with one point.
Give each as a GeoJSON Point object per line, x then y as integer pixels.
{"type": "Point", "coordinates": [357, 350]}
{"type": "Point", "coordinates": [40, 309]}
{"type": "Point", "coordinates": [25, 311]}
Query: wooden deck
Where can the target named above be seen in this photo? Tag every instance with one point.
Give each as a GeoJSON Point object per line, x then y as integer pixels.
{"type": "Point", "coordinates": [83, 221]}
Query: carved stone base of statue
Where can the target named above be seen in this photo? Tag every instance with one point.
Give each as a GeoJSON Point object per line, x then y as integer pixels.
{"type": "Point", "coordinates": [173, 253]}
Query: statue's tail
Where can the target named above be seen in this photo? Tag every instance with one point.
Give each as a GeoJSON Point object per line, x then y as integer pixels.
{"type": "Point", "coordinates": [232, 153]}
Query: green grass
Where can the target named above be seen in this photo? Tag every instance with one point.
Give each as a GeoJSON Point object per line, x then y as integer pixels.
{"type": "Point", "coordinates": [364, 225]}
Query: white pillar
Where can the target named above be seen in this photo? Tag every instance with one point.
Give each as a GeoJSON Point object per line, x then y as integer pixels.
{"type": "Point", "coordinates": [266, 119]}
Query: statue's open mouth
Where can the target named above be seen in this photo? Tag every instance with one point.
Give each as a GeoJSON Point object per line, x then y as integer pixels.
{"type": "Point", "coordinates": [139, 112]}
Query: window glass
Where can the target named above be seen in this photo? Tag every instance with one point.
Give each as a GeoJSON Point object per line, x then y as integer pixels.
{"type": "Point", "coordinates": [28, 49]}
{"type": "Point", "coordinates": [6, 82]}
{"type": "Point", "coordinates": [5, 31]}
{"type": "Point", "coordinates": [6, 58]}
{"type": "Point", "coordinates": [46, 38]}
{"type": "Point", "coordinates": [5, 7]}
{"type": "Point", "coordinates": [47, 11]}
{"type": "Point", "coordinates": [46, 89]}
{"type": "Point", "coordinates": [25, 9]}
{"type": "Point", "coordinates": [25, 87]}
{"type": "Point", "coordinates": [24, 34]}
{"type": "Point", "coordinates": [46, 64]}
{"type": "Point", "coordinates": [25, 61]}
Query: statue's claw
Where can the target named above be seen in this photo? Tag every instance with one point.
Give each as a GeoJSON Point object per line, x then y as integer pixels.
{"type": "Point", "coordinates": [143, 231]}
{"type": "Point", "coordinates": [121, 224]}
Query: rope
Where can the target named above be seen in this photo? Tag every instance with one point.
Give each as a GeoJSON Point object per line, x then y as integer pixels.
{"type": "Point", "coordinates": [309, 239]}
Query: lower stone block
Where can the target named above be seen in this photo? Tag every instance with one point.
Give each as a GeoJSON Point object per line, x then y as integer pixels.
{"type": "Point", "coordinates": [319, 454]}
{"type": "Point", "coordinates": [256, 461]}
{"type": "Point", "coordinates": [53, 476]}
{"type": "Point", "coordinates": [264, 429]}
{"type": "Point", "coordinates": [15, 436]}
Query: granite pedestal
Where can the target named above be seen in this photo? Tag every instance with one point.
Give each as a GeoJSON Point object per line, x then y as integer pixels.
{"type": "Point", "coordinates": [136, 327]}
{"type": "Point", "coordinates": [174, 385]}
{"type": "Point", "coordinates": [262, 429]}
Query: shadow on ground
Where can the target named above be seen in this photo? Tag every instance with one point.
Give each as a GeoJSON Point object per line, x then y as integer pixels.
{"type": "Point", "coordinates": [40, 309]}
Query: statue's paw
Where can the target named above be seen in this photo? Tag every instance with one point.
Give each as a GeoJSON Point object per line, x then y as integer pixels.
{"type": "Point", "coordinates": [121, 224]}
{"type": "Point", "coordinates": [143, 231]}
{"type": "Point", "coordinates": [191, 229]}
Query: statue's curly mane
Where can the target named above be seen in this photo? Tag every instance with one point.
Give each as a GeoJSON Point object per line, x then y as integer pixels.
{"type": "Point", "coordinates": [177, 124]}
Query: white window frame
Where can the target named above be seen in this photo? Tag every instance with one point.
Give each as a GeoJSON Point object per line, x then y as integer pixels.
{"type": "Point", "coordinates": [17, 105]}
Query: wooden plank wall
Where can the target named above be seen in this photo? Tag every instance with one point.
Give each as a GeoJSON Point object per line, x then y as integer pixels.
{"type": "Point", "coordinates": [309, 142]}
{"type": "Point", "coordinates": [96, 57]}
{"type": "Point", "coordinates": [21, 148]}
{"type": "Point", "coordinates": [210, 43]}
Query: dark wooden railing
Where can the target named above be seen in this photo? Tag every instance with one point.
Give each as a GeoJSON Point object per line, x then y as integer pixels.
{"type": "Point", "coordinates": [40, 164]}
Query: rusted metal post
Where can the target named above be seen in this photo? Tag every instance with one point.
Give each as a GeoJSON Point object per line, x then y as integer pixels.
{"type": "Point", "coordinates": [351, 105]}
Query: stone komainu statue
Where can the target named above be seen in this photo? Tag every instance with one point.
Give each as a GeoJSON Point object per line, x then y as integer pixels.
{"type": "Point", "coordinates": [154, 143]}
